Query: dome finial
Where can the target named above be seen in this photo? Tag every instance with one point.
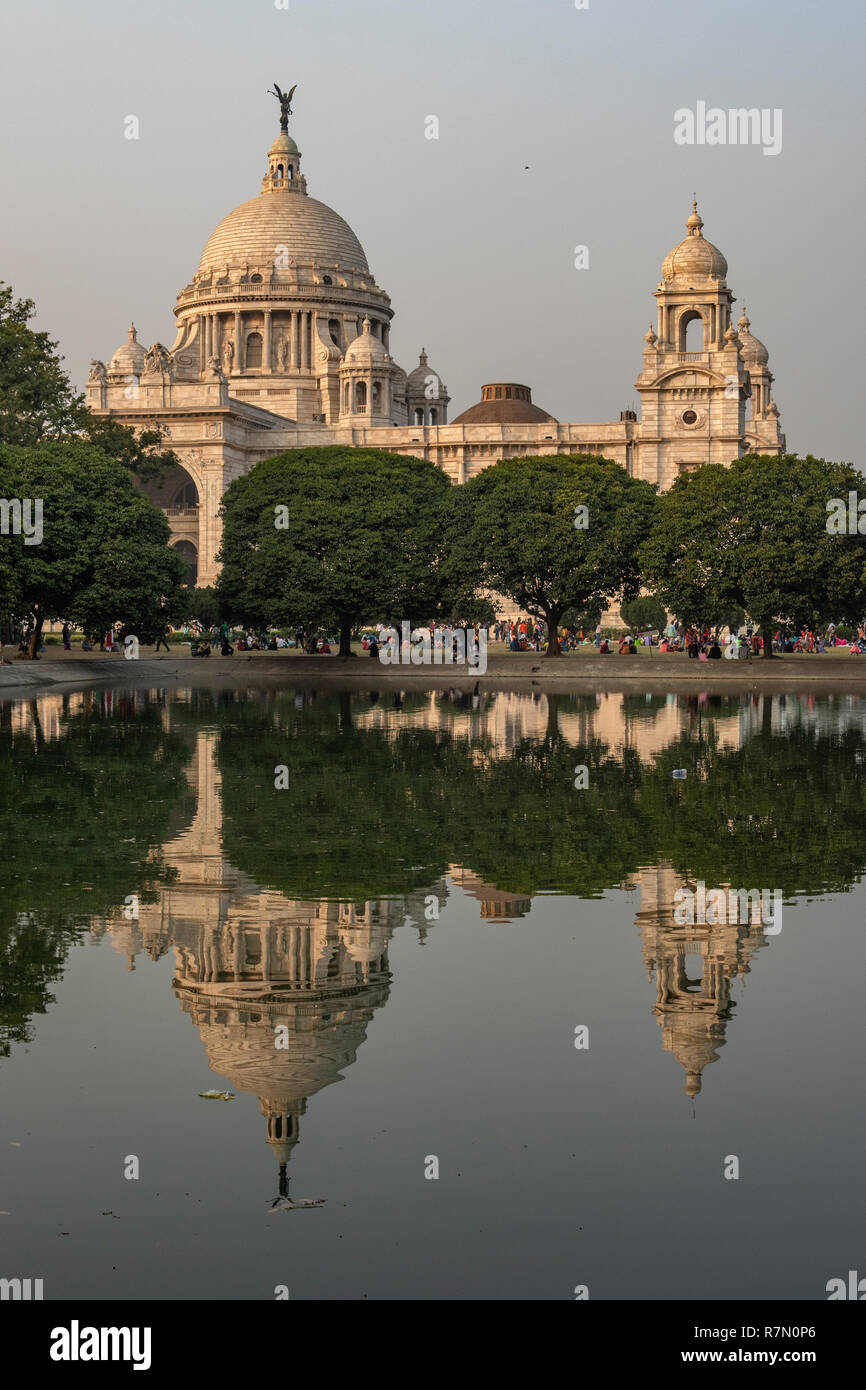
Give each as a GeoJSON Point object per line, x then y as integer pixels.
{"type": "Point", "coordinates": [695, 222]}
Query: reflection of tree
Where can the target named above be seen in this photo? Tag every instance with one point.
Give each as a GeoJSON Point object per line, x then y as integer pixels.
{"type": "Point", "coordinates": [82, 817]}
{"type": "Point", "coordinates": [364, 814]}
{"type": "Point", "coordinates": [367, 813]}
{"type": "Point", "coordinates": [784, 810]}
{"type": "Point", "coordinates": [372, 811]}
{"type": "Point", "coordinates": [528, 829]}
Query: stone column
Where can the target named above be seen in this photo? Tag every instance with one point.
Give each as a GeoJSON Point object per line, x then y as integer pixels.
{"type": "Point", "coordinates": [305, 341]}
{"type": "Point", "coordinates": [266, 343]}
{"type": "Point", "coordinates": [294, 360]}
{"type": "Point", "coordinates": [239, 349]}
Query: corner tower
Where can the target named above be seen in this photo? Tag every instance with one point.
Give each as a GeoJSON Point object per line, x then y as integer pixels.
{"type": "Point", "coordinates": [694, 384]}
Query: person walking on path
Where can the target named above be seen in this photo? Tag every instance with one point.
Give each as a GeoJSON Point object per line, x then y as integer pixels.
{"type": "Point", "coordinates": [162, 639]}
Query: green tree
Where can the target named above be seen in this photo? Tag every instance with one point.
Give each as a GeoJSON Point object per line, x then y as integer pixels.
{"type": "Point", "coordinates": [201, 606]}
{"type": "Point", "coordinates": [333, 537]}
{"type": "Point", "coordinates": [36, 399]}
{"type": "Point", "coordinates": [553, 533]}
{"type": "Point", "coordinates": [38, 402]}
{"type": "Point", "coordinates": [103, 555]}
{"type": "Point", "coordinates": [754, 536]}
{"type": "Point", "coordinates": [644, 612]}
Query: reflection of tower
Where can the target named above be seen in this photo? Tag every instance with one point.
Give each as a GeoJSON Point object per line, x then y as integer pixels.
{"type": "Point", "coordinates": [497, 905]}
{"type": "Point", "coordinates": [695, 966]}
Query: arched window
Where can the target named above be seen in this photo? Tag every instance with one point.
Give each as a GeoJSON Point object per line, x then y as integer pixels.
{"type": "Point", "coordinates": [433, 419]}
{"type": "Point", "coordinates": [280, 172]}
{"type": "Point", "coordinates": [254, 350]}
{"type": "Point", "coordinates": [419, 416]}
{"type": "Point", "coordinates": [334, 330]}
{"type": "Point", "coordinates": [346, 396]}
{"type": "Point", "coordinates": [691, 332]}
{"type": "Point", "coordinates": [255, 279]}
{"type": "Point", "coordinates": [187, 496]}
{"type": "Point", "coordinates": [188, 553]}
{"type": "Point", "coordinates": [360, 395]}
{"type": "Point", "coordinates": [326, 280]}
{"type": "Point", "coordinates": [377, 397]}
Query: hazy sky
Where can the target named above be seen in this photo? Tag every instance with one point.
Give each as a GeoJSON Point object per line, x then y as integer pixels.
{"type": "Point", "coordinates": [475, 249]}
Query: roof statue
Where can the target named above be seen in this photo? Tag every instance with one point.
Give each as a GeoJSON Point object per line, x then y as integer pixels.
{"type": "Point", "coordinates": [285, 105]}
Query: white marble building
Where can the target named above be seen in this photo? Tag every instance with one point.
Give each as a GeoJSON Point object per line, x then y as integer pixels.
{"type": "Point", "coordinates": [283, 342]}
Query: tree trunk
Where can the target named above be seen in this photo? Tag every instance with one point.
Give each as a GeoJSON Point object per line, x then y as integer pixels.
{"type": "Point", "coordinates": [766, 632]}
{"type": "Point", "coordinates": [346, 640]}
{"type": "Point", "coordinates": [36, 639]}
{"type": "Point", "coordinates": [552, 618]}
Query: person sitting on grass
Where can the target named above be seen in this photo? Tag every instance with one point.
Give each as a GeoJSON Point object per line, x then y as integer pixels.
{"type": "Point", "coordinates": [715, 651]}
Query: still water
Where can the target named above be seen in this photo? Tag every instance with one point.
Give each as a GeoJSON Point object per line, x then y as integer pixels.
{"type": "Point", "coordinates": [437, 948]}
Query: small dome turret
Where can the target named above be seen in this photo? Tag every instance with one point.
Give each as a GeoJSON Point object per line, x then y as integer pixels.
{"type": "Point", "coordinates": [366, 348]}
{"type": "Point", "coordinates": [129, 357]}
{"type": "Point", "coordinates": [754, 352]}
{"type": "Point", "coordinates": [694, 258]}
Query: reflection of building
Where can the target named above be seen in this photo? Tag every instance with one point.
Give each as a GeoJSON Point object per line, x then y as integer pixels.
{"type": "Point", "coordinates": [255, 969]}
{"type": "Point", "coordinates": [508, 717]}
{"type": "Point", "coordinates": [497, 905]}
{"type": "Point", "coordinates": [283, 341]}
{"type": "Point", "coordinates": [253, 966]}
{"type": "Point", "coordinates": [695, 967]}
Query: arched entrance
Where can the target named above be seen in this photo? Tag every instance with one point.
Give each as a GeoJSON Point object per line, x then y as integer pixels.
{"type": "Point", "coordinates": [177, 495]}
{"type": "Point", "coordinates": [189, 554]}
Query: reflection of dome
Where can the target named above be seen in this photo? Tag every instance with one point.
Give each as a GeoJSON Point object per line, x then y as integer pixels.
{"type": "Point", "coordinates": [308, 229]}
{"type": "Point", "coordinates": [752, 348]}
{"type": "Point", "coordinates": [695, 257]}
{"type": "Point", "coordinates": [129, 357]}
{"type": "Point", "coordinates": [506, 403]}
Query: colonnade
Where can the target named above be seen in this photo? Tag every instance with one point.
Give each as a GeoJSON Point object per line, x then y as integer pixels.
{"type": "Point", "coordinates": [295, 325]}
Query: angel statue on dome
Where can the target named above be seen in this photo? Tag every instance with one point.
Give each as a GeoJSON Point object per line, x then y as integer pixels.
{"type": "Point", "coordinates": [285, 105]}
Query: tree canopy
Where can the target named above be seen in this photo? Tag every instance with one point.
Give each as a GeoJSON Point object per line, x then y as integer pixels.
{"type": "Point", "coordinates": [38, 401]}
{"type": "Point", "coordinates": [552, 533]}
{"type": "Point", "coordinates": [333, 537]}
{"type": "Point", "coordinates": [753, 536]}
{"type": "Point", "coordinates": [103, 555]}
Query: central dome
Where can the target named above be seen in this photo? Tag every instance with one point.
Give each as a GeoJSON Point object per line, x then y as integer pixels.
{"type": "Point", "coordinates": [308, 229]}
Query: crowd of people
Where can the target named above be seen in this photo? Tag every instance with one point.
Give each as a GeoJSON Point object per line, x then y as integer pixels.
{"type": "Point", "coordinates": [698, 642]}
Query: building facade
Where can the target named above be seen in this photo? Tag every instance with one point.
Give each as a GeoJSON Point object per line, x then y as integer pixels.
{"type": "Point", "coordinates": [283, 342]}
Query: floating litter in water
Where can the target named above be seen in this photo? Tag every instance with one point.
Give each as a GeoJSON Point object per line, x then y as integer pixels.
{"type": "Point", "coordinates": [217, 1095]}
{"type": "Point", "coordinates": [679, 774]}
{"type": "Point", "coordinates": [294, 1203]}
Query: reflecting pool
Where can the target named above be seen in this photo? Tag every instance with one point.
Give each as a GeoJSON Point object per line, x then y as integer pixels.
{"type": "Point", "coordinates": [525, 933]}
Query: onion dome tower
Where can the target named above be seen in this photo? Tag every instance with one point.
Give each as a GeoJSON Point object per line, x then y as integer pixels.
{"type": "Point", "coordinates": [694, 385]}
